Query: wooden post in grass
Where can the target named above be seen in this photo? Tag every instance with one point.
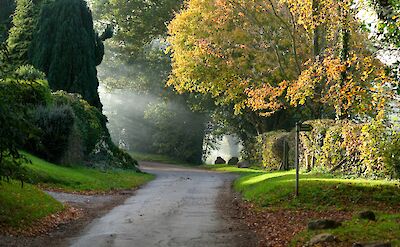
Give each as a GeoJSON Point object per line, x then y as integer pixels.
{"type": "Point", "coordinates": [297, 157]}
{"type": "Point", "coordinates": [299, 127]}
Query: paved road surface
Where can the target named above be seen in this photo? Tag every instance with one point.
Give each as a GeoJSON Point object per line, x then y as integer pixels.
{"type": "Point", "coordinates": [179, 208]}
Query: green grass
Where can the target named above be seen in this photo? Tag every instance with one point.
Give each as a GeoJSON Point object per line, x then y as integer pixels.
{"type": "Point", "coordinates": [317, 192]}
{"type": "Point", "coordinates": [387, 228]}
{"type": "Point", "coordinates": [158, 158]}
{"type": "Point", "coordinates": [323, 192]}
{"type": "Point", "coordinates": [81, 179]}
{"type": "Point", "coordinates": [234, 169]}
{"type": "Point", "coordinates": [21, 206]}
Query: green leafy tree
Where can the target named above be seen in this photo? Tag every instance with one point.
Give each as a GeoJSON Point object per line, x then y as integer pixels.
{"type": "Point", "coordinates": [388, 29]}
{"type": "Point", "coordinates": [67, 48]}
{"type": "Point", "coordinates": [137, 22]}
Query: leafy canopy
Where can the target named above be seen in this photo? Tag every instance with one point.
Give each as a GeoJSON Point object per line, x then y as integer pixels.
{"type": "Point", "coordinates": [239, 52]}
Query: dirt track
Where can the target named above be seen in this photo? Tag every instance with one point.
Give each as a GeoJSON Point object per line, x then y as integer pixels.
{"type": "Point", "coordinates": [182, 207]}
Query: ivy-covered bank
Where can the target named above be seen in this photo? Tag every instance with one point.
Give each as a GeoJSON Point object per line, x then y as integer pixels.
{"type": "Point", "coordinates": [344, 147]}
{"type": "Point", "coordinates": [60, 127]}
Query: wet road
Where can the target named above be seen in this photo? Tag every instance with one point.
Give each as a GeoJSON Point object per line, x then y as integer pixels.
{"type": "Point", "coordinates": [179, 208]}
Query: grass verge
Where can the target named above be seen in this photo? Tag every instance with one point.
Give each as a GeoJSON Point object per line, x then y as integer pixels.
{"type": "Point", "coordinates": [318, 192]}
{"type": "Point", "coordinates": [22, 206]}
{"type": "Point", "coordinates": [275, 190]}
{"type": "Point", "coordinates": [81, 179]}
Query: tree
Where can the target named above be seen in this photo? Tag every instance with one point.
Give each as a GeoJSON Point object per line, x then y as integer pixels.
{"type": "Point", "coordinates": [8, 7]}
{"type": "Point", "coordinates": [137, 22]}
{"type": "Point", "coordinates": [343, 74]}
{"type": "Point", "coordinates": [23, 27]}
{"type": "Point", "coordinates": [240, 52]}
{"type": "Point", "coordinates": [67, 48]}
{"type": "Point", "coordinates": [387, 33]}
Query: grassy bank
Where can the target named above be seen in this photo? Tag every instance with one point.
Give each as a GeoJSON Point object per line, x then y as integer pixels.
{"type": "Point", "coordinates": [275, 190]}
{"type": "Point", "coordinates": [21, 206]}
{"type": "Point", "coordinates": [318, 192]}
{"type": "Point", "coordinates": [81, 179]}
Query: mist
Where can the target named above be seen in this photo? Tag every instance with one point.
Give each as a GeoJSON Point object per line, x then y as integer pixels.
{"type": "Point", "coordinates": [125, 111]}
{"type": "Point", "coordinates": [226, 147]}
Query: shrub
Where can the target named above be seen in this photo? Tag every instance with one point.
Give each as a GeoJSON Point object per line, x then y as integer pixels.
{"type": "Point", "coordinates": [90, 122]}
{"type": "Point", "coordinates": [55, 123]}
{"type": "Point", "coordinates": [392, 155]}
{"type": "Point", "coordinates": [91, 133]}
{"type": "Point", "coordinates": [354, 149]}
{"type": "Point", "coordinates": [13, 131]}
{"type": "Point", "coordinates": [27, 92]}
{"type": "Point", "coordinates": [253, 150]}
{"type": "Point", "coordinates": [273, 149]}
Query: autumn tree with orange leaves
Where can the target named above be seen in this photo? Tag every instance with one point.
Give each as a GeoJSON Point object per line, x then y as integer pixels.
{"type": "Point", "coordinates": [272, 55]}
{"type": "Point", "coordinates": [240, 52]}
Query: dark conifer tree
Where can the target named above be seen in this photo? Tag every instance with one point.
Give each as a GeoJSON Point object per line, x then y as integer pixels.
{"type": "Point", "coordinates": [67, 48]}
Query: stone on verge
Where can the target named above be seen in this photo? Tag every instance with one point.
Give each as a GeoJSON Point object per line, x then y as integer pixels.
{"type": "Point", "coordinates": [243, 164]}
{"type": "Point", "coordinates": [323, 224]}
{"type": "Point", "coordinates": [220, 161]}
{"type": "Point", "coordinates": [367, 215]}
{"type": "Point", "coordinates": [322, 238]}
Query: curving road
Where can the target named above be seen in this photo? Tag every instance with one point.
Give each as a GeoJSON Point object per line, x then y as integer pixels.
{"type": "Point", "coordinates": [181, 207]}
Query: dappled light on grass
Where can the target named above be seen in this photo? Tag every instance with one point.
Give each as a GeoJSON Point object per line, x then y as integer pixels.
{"type": "Point", "coordinates": [81, 179]}
{"type": "Point", "coordinates": [276, 189]}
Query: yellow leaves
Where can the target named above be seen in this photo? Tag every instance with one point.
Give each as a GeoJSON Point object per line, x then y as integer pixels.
{"type": "Point", "coordinates": [234, 50]}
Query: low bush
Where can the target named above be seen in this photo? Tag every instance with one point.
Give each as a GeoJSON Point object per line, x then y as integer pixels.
{"type": "Point", "coordinates": [55, 123]}
{"type": "Point", "coordinates": [276, 143]}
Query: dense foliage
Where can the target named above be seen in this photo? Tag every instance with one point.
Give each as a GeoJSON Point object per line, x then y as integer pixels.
{"type": "Point", "coordinates": [236, 51]}
{"type": "Point", "coordinates": [17, 97]}
{"type": "Point", "coordinates": [60, 127]}
{"type": "Point", "coordinates": [136, 22]}
{"type": "Point", "coordinates": [368, 150]}
{"type": "Point", "coordinates": [89, 140]}
{"type": "Point", "coordinates": [179, 132]}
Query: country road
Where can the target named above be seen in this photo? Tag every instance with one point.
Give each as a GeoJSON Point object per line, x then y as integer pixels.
{"type": "Point", "coordinates": [181, 207]}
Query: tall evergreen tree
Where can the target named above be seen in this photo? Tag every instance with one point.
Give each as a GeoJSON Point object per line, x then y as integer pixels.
{"type": "Point", "coordinates": [23, 27]}
{"type": "Point", "coordinates": [67, 48]}
{"type": "Point", "coordinates": [6, 10]}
